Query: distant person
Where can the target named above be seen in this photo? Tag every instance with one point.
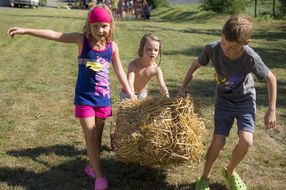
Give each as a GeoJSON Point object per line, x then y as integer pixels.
{"type": "Point", "coordinates": [137, 4]}
{"type": "Point", "coordinates": [127, 9]}
{"type": "Point", "coordinates": [97, 51]}
{"type": "Point", "coordinates": [108, 3]}
{"type": "Point", "coordinates": [234, 62]}
{"type": "Point", "coordinates": [114, 9]}
{"type": "Point", "coordinates": [142, 69]}
{"type": "Point", "coordinates": [130, 8]}
{"type": "Point", "coordinates": [120, 9]}
{"type": "Point", "coordinates": [83, 4]}
{"type": "Point", "coordinates": [146, 9]}
{"type": "Point", "coordinates": [126, 6]}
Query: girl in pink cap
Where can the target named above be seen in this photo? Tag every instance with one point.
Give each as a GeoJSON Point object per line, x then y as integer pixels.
{"type": "Point", "coordinates": [97, 51]}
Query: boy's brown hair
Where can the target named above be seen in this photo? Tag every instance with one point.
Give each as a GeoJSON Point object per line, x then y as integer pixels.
{"type": "Point", "coordinates": [238, 28]}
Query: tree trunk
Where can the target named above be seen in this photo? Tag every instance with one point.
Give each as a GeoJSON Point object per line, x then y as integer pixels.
{"type": "Point", "coordinates": [255, 8]}
{"type": "Point", "coordinates": [273, 9]}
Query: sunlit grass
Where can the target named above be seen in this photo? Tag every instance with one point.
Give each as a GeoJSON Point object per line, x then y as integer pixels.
{"type": "Point", "coordinates": [42, 145]}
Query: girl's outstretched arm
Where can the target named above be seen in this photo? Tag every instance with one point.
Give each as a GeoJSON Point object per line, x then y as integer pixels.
{"type": "Point", "coordinates": [118, 69]}
{"type": "Point", "coordinates": [161, 83]}
{"type": "Point", "coordinates": [47, 34]}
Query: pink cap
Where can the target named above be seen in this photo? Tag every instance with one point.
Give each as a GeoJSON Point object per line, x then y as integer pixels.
{"type": "Point", "coordinates": [99, 14]}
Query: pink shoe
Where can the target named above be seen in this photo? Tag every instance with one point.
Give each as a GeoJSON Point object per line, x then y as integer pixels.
{"type": "Point", "coordinates": [89, 171]}
{"type": "Point", "coordinates": [101, 184]}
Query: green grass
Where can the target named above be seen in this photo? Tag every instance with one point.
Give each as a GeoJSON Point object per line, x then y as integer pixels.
{"type": "Point", "coordinates": [42, 145]}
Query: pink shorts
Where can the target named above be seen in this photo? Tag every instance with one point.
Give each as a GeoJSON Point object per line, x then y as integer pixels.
{"type": "Point", "coordinates": [84, 111]}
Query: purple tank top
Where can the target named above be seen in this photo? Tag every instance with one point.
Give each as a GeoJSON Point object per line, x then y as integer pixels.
{"type": "Point", "coordinates": [92, 86]}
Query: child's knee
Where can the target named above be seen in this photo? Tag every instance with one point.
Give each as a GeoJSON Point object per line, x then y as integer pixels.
{"type": "Point", "coordinates": [218, 141]}
{"type": "Point", "coordinates": [246, 142]}
{"type": "Point", "coordinates": [245, 139]}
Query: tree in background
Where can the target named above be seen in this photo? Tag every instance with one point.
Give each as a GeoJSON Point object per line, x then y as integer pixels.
{"type": "Point", "coordinates": [224, 6]}
{"type": "Point", "coordinates": [42, 2]}
{"type": "Point", "coordinates": [282, 7]}
{"type": "Point", "coordinates": [273, 8]}
{"type": "Point", "coordinates": [158, 3]}
{"type": "Point", "coordinates": [265, 8]}
{"type": "Point", "coordinates": [255, 8]}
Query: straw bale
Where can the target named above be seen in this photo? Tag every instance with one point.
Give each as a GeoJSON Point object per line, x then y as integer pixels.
{"type": "Point", "coordinates": [158, 131]}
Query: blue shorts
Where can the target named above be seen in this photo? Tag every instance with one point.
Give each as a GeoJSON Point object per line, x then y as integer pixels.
{"type": "Point", "coordinates": [124, 95]}
{"type": "Point", "coordinates": [224, 119]}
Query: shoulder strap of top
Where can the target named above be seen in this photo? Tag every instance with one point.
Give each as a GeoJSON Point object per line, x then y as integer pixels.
{"type": "Point", "coordinates": [85, 47]}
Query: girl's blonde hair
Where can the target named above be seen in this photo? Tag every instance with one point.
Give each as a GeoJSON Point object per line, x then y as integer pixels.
{"type": "Point", "coordinates": [144, 40]}
{"type": "Point", "coordinates": [238, 28]}
{"type": "Point", "coordinates": [87, 30]}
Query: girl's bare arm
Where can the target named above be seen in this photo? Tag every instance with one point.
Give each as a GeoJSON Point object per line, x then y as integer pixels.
{"type": "Point", "coordinates": [131, 76]}
{"type": "Point", "coordinates": [118, 69]}
{"type": "Point", "coordinates": [161, 82]}
{"type": "Point", "coordinates": [47, 34]}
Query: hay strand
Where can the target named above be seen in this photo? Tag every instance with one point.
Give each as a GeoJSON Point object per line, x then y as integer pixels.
{"type": "Point", "coordinates": [158, 131]}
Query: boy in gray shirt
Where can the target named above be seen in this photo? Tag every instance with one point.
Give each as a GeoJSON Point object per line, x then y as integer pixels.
{"type": "Point", "coordinates": [234, 62]}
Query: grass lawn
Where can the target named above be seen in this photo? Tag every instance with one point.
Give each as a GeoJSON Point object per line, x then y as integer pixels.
{"type": "Point", "coordinates": [42, 145]}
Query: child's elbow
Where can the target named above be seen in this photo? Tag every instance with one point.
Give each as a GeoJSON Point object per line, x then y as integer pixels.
{"type": "Point", "coordinates": [271, 77]}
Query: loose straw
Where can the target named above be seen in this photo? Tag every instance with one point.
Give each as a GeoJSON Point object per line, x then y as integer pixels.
{"type": "Point", "coordinates": [158, 131]}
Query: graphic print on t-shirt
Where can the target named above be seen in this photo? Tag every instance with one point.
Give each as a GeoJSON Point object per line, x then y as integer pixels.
{"type": "Point", "coordinates": [228, 84]}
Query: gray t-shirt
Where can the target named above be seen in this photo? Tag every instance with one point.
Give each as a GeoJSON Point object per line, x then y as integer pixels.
{"type": "Point", "coordinates": [235, 84]}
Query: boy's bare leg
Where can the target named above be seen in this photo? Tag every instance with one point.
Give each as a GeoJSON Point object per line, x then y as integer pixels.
{"type": "Point", "coordinates": [240, 150]}
{"type": "Point", "coordinates": [217, 144]}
